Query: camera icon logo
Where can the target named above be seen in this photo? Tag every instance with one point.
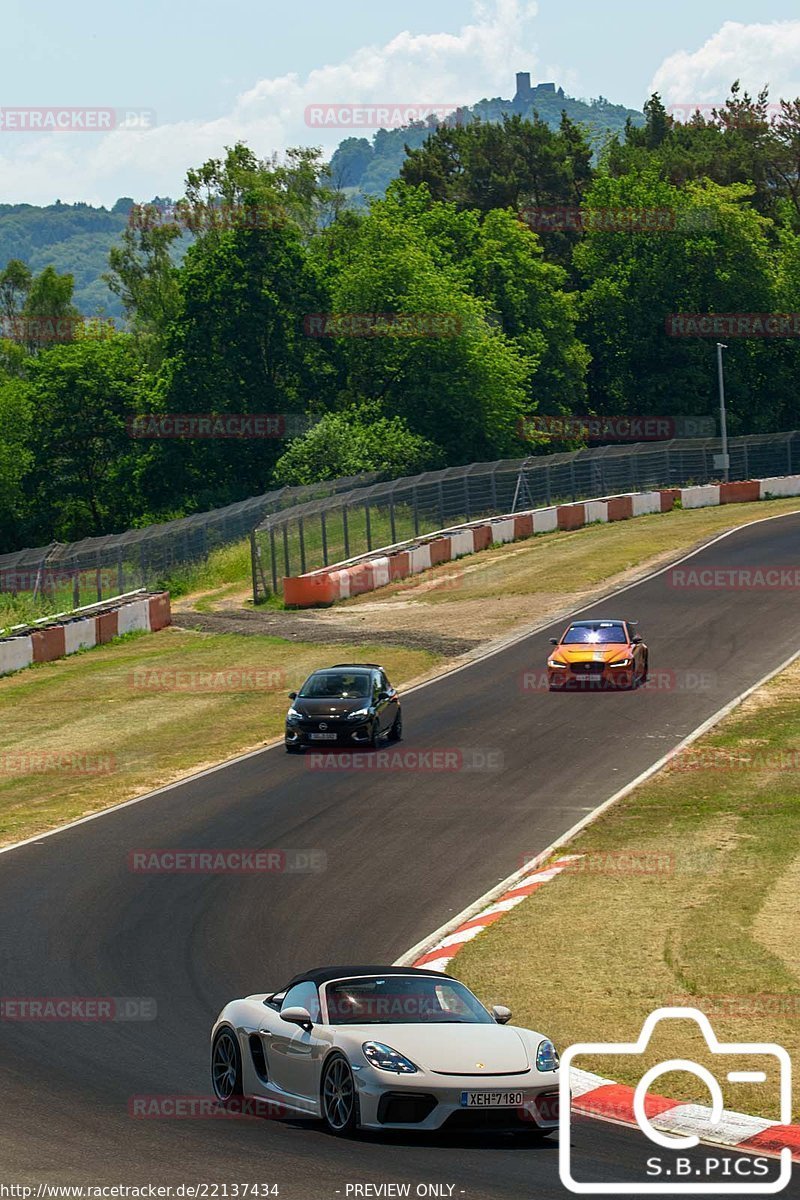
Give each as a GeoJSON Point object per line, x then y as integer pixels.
{"type": "Point", "coordinates": [766, 1050]}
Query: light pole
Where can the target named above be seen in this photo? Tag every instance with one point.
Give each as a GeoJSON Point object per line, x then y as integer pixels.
{"type": "Point", "coordinates": [723, 421]}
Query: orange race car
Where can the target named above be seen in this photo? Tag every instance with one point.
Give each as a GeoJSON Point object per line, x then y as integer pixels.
{"type": "Point", "coordinates": [596, 654]}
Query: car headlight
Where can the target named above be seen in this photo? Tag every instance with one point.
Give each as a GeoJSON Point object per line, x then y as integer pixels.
{"type": "Point", "coordinates": [294, 715]}
{"type": "Point", "coordinates": [379, 1055]}
{"type": "Point", "coordinates": [553, 662]}
{"type": "Point", "coordinates": [622, 662]}
{"type": "Point", "coordinates": [546, 1057]}
{"type": "Point", "coordinates": [358, 715]}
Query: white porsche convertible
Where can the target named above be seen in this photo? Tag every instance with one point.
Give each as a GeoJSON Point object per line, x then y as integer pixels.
{"type": "Point", "coordinates": [385, 1048]}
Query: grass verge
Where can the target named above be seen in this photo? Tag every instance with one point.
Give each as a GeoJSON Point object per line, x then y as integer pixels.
{"type": "Point", "coordinates": [688, 894]}
{"type": "Point", "coordinates": [109, 723]}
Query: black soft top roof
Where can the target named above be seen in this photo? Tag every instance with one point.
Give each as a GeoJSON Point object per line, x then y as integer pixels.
{"type": "Point", "coordinates": [323, 974]}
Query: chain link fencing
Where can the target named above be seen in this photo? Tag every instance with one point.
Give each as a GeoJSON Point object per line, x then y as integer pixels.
{"type": "Point", "coordinates": [340, 527]}
{"type": "Point", "coordinates": [71, 574]}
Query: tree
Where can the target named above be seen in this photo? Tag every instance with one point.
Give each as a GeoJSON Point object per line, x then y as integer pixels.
{"type": "Point", "coordinates": [354, 442]}
{"type": "Point", "coordinates": [84, 479]}
{"type": "Point", "coordinates": [717, 258]}
{"type": "Point", "coordinates": [16, 457]}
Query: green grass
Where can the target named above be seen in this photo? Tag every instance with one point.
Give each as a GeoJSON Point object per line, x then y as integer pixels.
{"type": "Point", "coordinates": [713, 925]}
{"type": "Point", "coordinates": [123, 725]}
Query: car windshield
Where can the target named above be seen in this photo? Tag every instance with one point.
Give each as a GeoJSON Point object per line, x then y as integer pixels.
{"type": "Point", "coordinates": [336, 685]}
{"type": "Point", "coordinates": [600, 634]}
{"type": "Point", "coordinates": [403, 1000]}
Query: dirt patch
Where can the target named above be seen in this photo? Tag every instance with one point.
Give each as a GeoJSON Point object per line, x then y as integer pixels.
{"type": "Point", "coordinates": [295, 626]}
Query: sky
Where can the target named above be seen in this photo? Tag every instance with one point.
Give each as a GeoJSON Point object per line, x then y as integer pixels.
{"type": "Point", "coordinates": [174, 83]}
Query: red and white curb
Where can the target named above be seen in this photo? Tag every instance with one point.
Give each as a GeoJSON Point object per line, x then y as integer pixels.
{"type": "Point", "coordinates": [594, 1096]}
{"type": "Point", "coordinates": [448, 947]}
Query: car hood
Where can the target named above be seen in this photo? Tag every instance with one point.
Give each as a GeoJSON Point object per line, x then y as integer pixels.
{"type": "Point", "coordinates": [452, 1049]}
{"type": "Point", "coordinates": [608, 652]}
{"type": "Point", "coordinates": [330, 708]}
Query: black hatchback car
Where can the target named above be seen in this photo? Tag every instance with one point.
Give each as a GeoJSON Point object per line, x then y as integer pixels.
{"type": "Point", "coordinates": [350, 704]}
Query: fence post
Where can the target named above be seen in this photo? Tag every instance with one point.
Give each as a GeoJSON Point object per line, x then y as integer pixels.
{"type": "Point", "coordinates": [466, 497]}
{"type": "Point", "coordinates": [302, 546]}
{"type": "Point", "coordinates": [273, 559]}
{"type": "Point", "coordinates": [547, 484]}
{"type": "Point", "coordinates": [345, 531]}
{"type": "Point", "coordinates": [76, 590]}
{"type": "Point", "coordinates": [415, 508]}
{"type": "Point", "coordinates": [324, 532]}
{"type": "Point", "coordinates": [286, 547]}
{"type": "Point", "coordinates": [368, 524]}
{"type": "Point", "coordinates": [441, 505]}
{"type": "Point", "coordinates": [494, 491]}
{"type": "Point", "coordinates": [253, 570]}
{"type": "Point", "coordinates": [572, 478]}
{"type": "Point", "coordinates": [391, 518]}
{"type": "Point", "coordinates": [746, 460]}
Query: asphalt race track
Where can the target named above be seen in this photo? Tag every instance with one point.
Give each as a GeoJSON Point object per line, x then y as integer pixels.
{"type": "Point", "coordinates": [405, 851]}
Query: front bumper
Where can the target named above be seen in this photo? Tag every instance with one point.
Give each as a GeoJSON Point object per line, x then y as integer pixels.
{"type": "Point", "coordinates": [427, 1101]}
{"type": "Point", "coordinates": [338, 733]}
{"type": "Point", "coordinates": [571, 679]}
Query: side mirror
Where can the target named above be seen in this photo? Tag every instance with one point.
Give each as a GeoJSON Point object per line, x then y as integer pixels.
{"type": "Point", "coordinates": [501, 1014]}
{"type": "Point", "coordinates": [636, 641]}
{"type": "Point", "coordinates": [296, 1015]}
{"type": "Point", "coordinates": [292, 695]}
{"type": "Point", "coordinates": [553, 641]}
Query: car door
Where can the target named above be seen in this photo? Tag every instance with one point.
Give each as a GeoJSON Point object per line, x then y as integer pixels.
{"type": "Point", "coordinates": [294, 1055]}
{"type": "Point", "coordinates": [388, 709]}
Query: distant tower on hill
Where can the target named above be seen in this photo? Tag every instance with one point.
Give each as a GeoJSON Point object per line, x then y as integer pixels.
{"type": "Point", "coordinates": [525, 94]}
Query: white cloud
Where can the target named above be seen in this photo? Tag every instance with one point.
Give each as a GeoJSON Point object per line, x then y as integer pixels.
{"type": "Point", "coordinates": [438, 68]}
{"type": "Point", "coordinates": [755, 54]}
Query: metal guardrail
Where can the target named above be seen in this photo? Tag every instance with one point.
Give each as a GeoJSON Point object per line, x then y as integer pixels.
{"type": "Point", "coordinates": [323, 531]}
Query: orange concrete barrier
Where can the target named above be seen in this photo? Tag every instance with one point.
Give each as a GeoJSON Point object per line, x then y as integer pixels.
{"type": "Point", "coordinates": [48, 643]}
{"type": "Point", "coordinates": [523, 526]}
{"type": "Point", "coordinates": [398, 565]}
{"type": "Point", "coordinates": [361, 579]}
{"type": "Point", "coordinates": [307, 590]}
{"type": "Point", "coordinates": [571, 516]}
{"type": "Point", "coordinates": [668, 498]}
{"type": "Point", "coordinates": [106, 625]}
{"type": "Point", "coordinates": [620, 508]}
{"type": "Point", "coordinates": [482, 536]}
{"type": "Point", "coordinates": [739, 493]}
{"type": "Point", "coordinates": [440, 551]}
{"type": "Point", "coordinates": [160, 615]}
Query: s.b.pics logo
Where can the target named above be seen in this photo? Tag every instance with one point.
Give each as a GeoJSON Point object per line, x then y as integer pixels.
{"type": "Point", "coordinates": [680, 1127]}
